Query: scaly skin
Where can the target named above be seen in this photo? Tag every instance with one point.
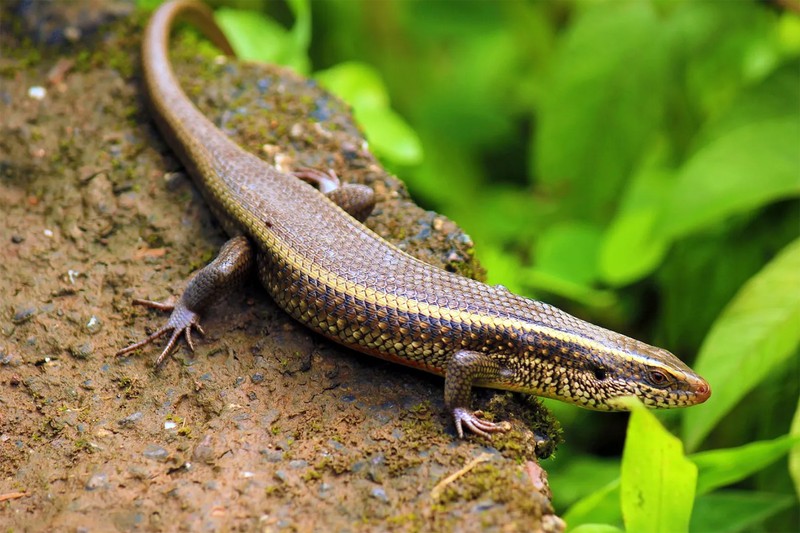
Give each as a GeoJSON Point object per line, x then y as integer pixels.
{"type": "Point", "coordinates": [340, 279]}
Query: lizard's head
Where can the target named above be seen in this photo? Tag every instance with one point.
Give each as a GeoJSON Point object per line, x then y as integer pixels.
{"type": "Point", "coordinates": [594, 373]}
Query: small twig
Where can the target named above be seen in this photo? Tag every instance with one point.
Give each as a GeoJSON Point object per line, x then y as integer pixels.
{"type": "Point", "coordinates": [12, 496]}
{"type": "Point", "coordinates": [437, 490]}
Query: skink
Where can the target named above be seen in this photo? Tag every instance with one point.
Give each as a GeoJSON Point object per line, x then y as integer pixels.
{"type": "Point", "coordinates": [335, 276]}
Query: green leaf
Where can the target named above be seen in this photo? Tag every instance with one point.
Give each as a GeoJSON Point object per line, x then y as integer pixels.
{"type": "Point", "coordinates": [256, 37]}
{"type": "Point", "coordinates": [629, 250]}
{"type": "Point", "coordinates": [658, 481]}
{"type": "Point", "coordinates": [755, 334]}
{"type": "Point", "coordinates": [789, 33]}
{"type": "Point", "coordinates": [602, 106]}
{"type": "Point", "coordinates": [362, 87]}
{"type": "Point", "coordinates": [358, 84]}
{"type": "Point", "coordinates": [794, 455]}
{"type": "Point", "coordinates": [596, 528]}
{"type": "Point", "coordinates": [501, 268]}
{"type": "Point", "coordinates": [637, 240]}
{"type": "Point", "coordinates": [727, 44]}
{"type": "Point", "coordinates": [148, 5]}
{"type": "Point", "coordinates": [770, 99]}
{"type": "Point", "coordinates": [718, 468]}
{"type": "Point", "coordinates": [733, 511]}
{"type": "Point", "coordinates": [742, 170]}
{"type": "Point", "coordinates": [501, 213]}
{"type": "Point", "coordinates": [602, 506]}
{"type": "Point", "coordinates": [569, 250]}
{"type": "Point", "coordinates": [301, 31]}
{"type": "Point", "coordinates": [575, 476]}
{"type": "Point", "coordinates": [539, 280]}
{"type": "Point", "coordinates": [390, 135]}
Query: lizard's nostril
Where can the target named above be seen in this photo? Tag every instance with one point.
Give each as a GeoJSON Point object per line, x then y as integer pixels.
{"type": "Point", "coordinates": [703, 391]}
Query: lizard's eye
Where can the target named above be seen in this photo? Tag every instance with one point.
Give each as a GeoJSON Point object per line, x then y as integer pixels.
{"type": "Point", "coordinates": [658, 378]}
{"type": "Point", "coordinates": [599, 373]}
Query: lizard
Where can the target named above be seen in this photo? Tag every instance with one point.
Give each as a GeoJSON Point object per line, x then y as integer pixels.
{"type": "Point", "coordinates": [329, 272]}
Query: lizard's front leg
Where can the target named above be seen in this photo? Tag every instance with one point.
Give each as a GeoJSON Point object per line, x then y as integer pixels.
{"type": "Point", "coordinates": [231, 266]}
{"type": "Point", "coordinates": [464, 368]}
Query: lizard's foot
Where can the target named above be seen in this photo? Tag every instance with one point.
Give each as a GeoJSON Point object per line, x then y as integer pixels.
{"type": "Point", "coordinates": [181, 321]}
{"type": "Point", "coordinates": [358, 200]}
{"type": "Point", "coordinates": [324, 181]}
{"type": "Point", "coordinates": [476, 424]}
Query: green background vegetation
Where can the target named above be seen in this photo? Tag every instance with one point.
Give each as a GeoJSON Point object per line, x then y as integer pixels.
{"type": "Point", "coordinates": [636, 163]}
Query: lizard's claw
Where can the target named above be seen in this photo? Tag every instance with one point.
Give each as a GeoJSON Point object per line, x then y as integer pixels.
{"type": "Point", "coordinates": [476, 424]}
{"type": "Point", "coordinates": [181, 321]}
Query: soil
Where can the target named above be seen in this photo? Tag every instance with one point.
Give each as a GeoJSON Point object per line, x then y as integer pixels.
{"type": "Point", "coordinates": [266, 426]}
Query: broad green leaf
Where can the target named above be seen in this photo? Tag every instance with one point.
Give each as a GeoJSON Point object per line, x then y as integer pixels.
{"type": "Point", "coordinates": [254, 36]}
{"type": "Point", "coordinates": [301, 31]}
{"type": "Point", "coordinates": [602, 106]}
{"type": "Point", "coordinates": [789, 33]}
{"type": "Point", "coordinates": [596, 528]}
{"type": "Point", "coordinates": [629, 250]}
{"type": "Point", "coordinates": [358, 84]}
{"type": "Point", "coordinates": [539, 280]}
{"type": "Point", "coordinates": [703, 272]}
{"type": "Point", "coordinates": [658, 481]}
{"type": "Point", "coordinates": [474, 116]}
{"type": "Point", "coordinates": [602, 506]}
{"type": "Point", "coordinates": [569, 250]}
{"type": "Point", "coordinates": [390, 135]}
{"type": "Point", "coordinates": [742, 170]}
{"type": "Point", "coordinates": [718, 468]}
{"type": "Point", "coordinates": [755, 334]}
{"type": "Point", "coordinates": [575, 476]}
{"type": "Point", "coordinates": [361, 86]}
{"type": "Point", "coordinates": [794, 455]}
{"type": "Point", "coordinates": [733, 511]}
{"type": "Point", "coordinates": [501, 268]}
{"type": "Point", "coordinates": [501, 213]}
{"type": "Point", "coordinates": [772, 98]}
{"type": "Point", "coordinates": [447, 178]}
{"type": "Point", "coordinates": [727, 45]}
{"type": "Point", "coordinates": [148, 5]}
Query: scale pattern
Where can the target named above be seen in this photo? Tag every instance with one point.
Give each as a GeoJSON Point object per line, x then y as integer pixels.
{"type": "Point", "coordinates": [337, 277]}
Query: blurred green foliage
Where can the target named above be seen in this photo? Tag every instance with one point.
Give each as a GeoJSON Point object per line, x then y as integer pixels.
{"type": "Point", "coordinates": [635, 162]}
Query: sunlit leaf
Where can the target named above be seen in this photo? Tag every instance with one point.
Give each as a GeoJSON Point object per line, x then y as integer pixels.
{"type": "Point", "coordinates": [596, 528]}
{"type": "Point", "coordinates": [742, 170]}
{"type": "Point", "coordinates": [569, 250]}
{"type": "Point", "coordinates": [601, 506]}
{"type": "Point", "coordinates": [148, 5]}
{"type": "Point", "coordinates": [717, 468]}
{"type": "Point", "coordinates": [301, 31]}
{"type": "Point", "coordinates": [254, 36]}
{"type": "Point", "coordinates": [358, 84]}
{"type": "Point", "coordinates": [540, 280]}
{"type": "Point", "coordinates": [733, 511]}
{"type": "Point", "coordinates": [361, 86]}
{"type": "Point", "coordinates": [630, 250]}
{"type": "Point", "coordinates": [501, 268]}
{"type": "Point", "coordinates": [602, 105]}
{"type": "Point", "coordinates": [729, 44]}
{"type": "Point", "coordinates": [770, 99]}
{"type": "Point", "coordinates": [789, 33]}
{"type": "Point", "coordinates": [755, 334]}
{"type": "Point", "coordinates": [579, 476]}
{"type": "Point", "coordinates": [794, 455]}
{"type": "Point", "coordinates": [658, 481]}
{"type": "Point", "coordinates": [390, 135]}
